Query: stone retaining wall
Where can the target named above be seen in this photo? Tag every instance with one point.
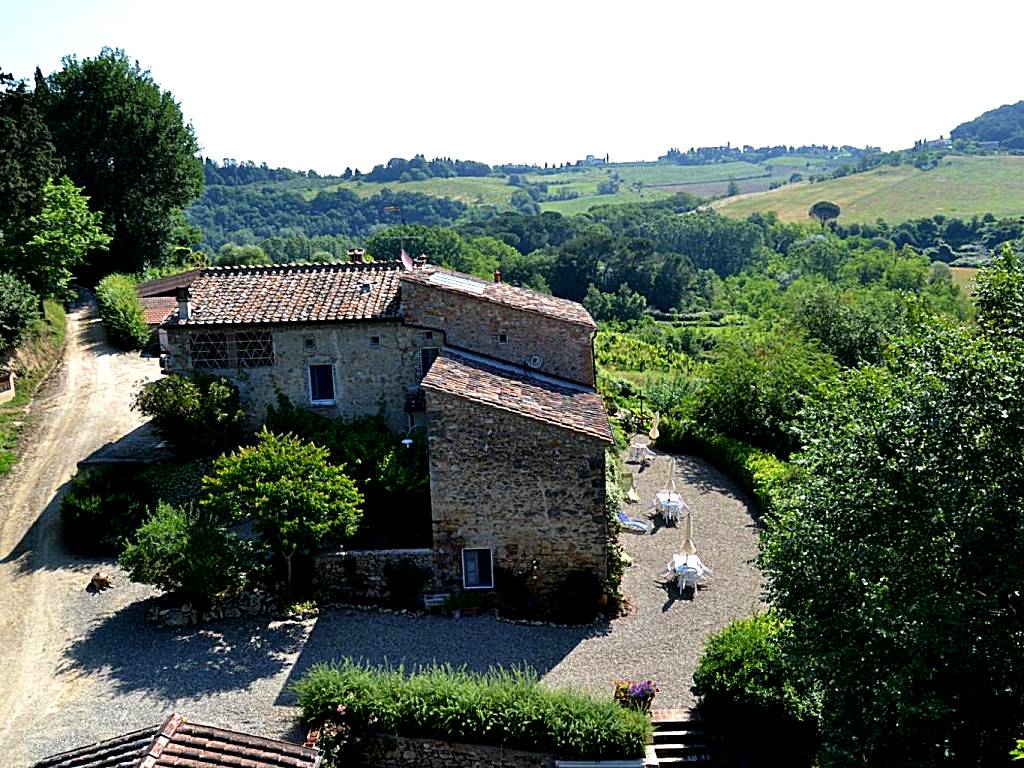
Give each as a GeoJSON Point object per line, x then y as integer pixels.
{"type": "Point", "coordinates": [234, 607]}
{"type": "Point", "coordinates": [387, 751]}
{"type": "Point", "coordinates": [383, 576]}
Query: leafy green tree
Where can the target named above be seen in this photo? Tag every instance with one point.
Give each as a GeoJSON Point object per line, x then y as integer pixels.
{"type": "Point", "coordinates": [820, 255]}
{"type": "Point", "coordinates": [824, 211]}
{"type": "Point", "coordinates": [198, 415]}
{"type": "Point", "coordinates": [186, 552]}
{"type": "Point", "coordinates": [231, 255]}
{"type": "Point", "coordinates": [45, 248]}
{"type": "Point", "coordinates": [896, 557]}
{"type": "Point", "coordinates": [624, 304]}
{"type": "Point", "coordinates": [27, 155]}
{"type": "Point", "coordinates": [19, 307]}
{"type": "Point", "coordinates": [125, 141]}
{"type": "Point", "coordinates": [297, 500]}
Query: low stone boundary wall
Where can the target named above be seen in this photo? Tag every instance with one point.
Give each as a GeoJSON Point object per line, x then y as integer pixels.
{"type": "Point", "coordinates": [376, 576]}
{"type": "Point", "coordinates": [387, 751]}
{"type": "Point", "coordinates": [234, 607]}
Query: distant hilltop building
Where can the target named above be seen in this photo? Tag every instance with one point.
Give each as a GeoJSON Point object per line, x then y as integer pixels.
{"type": "Point", "coordinates": [591, 160]}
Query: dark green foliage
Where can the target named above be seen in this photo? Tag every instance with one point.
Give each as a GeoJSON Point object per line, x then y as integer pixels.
{"type": "Point", "coordinates": [125, 141]}
{"type": "Point", "coordinates": [824, 211]}
{"type": "Point", "coordinates": [185, 552]}
{"type": "Point", "coordinates": [1003, 124]}
{"type": "Point", "coordinates": [101, 510]}
{"type": "Point", "coordinates": [896, 558]}
{"type": "Point", "coordinates": [198, 415]}
{"type": "Point", "coordinates": [756, 387]}
{"type": "Point", "coordinates": [419, 168]}
{"type": "Point", "coordinates": [121, 312]}
{"type": "Point", "coordinates": [27, 156]}
{"type": "Point", "coordinates": [750, 696]}
{"type": "Point", "coordinates": [177, 483]}
{"type": "Point", "coordinates": [19, 308]}
{"type": "Point", "coordinates": [500, 708]}
{"type": "Point", "coordinates": [248, 214]}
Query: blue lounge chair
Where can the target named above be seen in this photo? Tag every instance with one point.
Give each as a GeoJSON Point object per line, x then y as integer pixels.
{"type": "Point", "coordinates": [631, 524]}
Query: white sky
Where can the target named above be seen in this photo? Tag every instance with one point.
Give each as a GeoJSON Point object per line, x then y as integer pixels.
{"type": "Point", "coordinates": [328, 84]}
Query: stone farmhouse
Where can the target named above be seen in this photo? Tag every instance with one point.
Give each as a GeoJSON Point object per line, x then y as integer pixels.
{"type": "Point", "coordinates": [501, 378]}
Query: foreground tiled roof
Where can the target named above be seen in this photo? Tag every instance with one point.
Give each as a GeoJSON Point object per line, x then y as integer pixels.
{"type": "Point", "coordinates": [505, 294]}
{"type": "Point", "coordinates": [178, 744]}
{"type": "Point", "coordinates": [568, 407]}
{"type": "Point", "coordinates": [294, 293]}
{"type": "Point", "coordinates": [156, 308]}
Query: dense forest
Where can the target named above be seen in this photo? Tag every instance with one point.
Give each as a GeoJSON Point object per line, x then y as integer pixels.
{"type": "Point", "coordinates": [1004, 124]}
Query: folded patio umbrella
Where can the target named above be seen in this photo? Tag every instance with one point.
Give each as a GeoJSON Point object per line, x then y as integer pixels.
{"type": "Point", "coordinates": [689, 548]}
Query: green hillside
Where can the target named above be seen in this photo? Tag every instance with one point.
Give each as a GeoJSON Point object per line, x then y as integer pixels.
{"type": "Point", "coordinates": [958, 186]}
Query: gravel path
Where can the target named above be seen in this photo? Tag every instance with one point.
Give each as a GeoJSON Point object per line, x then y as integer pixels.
{"type": "Point", "coordinates": [76, 667]}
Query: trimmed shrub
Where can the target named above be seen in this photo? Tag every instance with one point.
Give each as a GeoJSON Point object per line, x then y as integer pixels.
{"type": "Point", "coordinates": [100, 511]}
{"type": "Point", "coordinates": [19, 308]}
{"type": "Point", "coordinates": [121, 312]}
{"type": "Point", "coordinates": [751, 697]}
{"type": "Point", "coordinates": [184, 551]}
{"type": "Point", "coordinates": [507, 708]}
{"type": "Point", "coordinates": [198, 415]}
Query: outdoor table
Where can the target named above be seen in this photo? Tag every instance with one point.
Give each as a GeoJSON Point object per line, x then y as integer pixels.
{"type": "Point", "coordinates": [669, 504]}
{"type": "Point", "coordinates": [639, 453]}
{"type": "Point", "coordinates": [688, 570]}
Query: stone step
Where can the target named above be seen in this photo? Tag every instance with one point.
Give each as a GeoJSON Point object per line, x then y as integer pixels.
{"type": "Point", "coordinates": [669, 750]}
{"type": "Point", "coordinates": [701, 758]}
{"type": "Point", "coordinates": [676, 733]}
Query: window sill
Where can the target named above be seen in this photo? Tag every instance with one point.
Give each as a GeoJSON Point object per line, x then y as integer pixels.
{"type": "Point", "coordinates": [322, 403]}
{"type": "Point", "coordinates": [489, 586]}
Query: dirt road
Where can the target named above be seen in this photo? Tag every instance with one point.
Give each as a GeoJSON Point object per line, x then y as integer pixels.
{"type": "Point", "coordinates": [83, 406]}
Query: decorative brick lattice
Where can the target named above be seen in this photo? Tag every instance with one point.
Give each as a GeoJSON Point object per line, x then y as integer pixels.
{"type": "Point", "coordinates": [209, 350]}
{"type": "Point", "coordinates": [254, 349]}
{"type": "Point", "coordinates": [244, 349]}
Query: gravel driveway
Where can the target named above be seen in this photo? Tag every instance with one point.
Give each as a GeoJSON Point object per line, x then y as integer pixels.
{"type": "Point", "coordinates": [77, 667]}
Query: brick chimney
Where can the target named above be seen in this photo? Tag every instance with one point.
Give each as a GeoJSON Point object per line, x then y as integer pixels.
{"type": "Point", "coordinates": [355, 255]}
{"type": "Point", "coordinates": [497, 275]}
{"type": "Point", "coordinates": [184, 303]}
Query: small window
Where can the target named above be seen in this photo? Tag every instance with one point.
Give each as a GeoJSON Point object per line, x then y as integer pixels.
{"type": "Point", "coordinates": [310, 343]}
{"type": "Point", "coordinates": [503, 338]}
{"type": "Point", "coordinates": [427, 357]}
{"type": "Point", "coordinates": [375, 341]}
{"type": "Point", "coordinates": [321, 384]}
{"type": "Point", "coordinates": [477, 569]}
{"type": "Point", "coordinates": [428, 335]}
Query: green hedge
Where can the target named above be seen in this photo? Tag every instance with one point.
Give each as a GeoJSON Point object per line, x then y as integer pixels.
{"type": "Point", "coordinates": [763, 475]}
{"type": "Point", "coordinates": [101, 510]}
{"type": "Point", "coordinates": [498, 708]}
{"type": "Point", "coordinates": [121, 312]}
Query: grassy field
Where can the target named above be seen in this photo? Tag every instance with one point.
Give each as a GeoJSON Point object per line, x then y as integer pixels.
{"type": "Point", "coordinates": [40, 352]}
{"type": "Point", "coordinates": [964, 277]}
{"type": "Point", "coordinates": [959, 186]}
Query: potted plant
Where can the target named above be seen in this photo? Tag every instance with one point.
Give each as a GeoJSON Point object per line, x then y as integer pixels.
{"type": "Point", "coordinates": [636, 694]}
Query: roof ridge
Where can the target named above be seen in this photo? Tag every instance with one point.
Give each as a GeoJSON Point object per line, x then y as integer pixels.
{"type": "Point", "coordinates": [354, 266]}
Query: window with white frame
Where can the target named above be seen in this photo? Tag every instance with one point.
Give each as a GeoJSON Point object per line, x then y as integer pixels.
{"type": "Point", "coordinates": [321, 384]}
{"type": "Point", "coordinates": [477, 569]}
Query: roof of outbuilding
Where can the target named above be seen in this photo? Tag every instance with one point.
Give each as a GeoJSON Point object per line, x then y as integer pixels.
{"type": "Point", "coordinates": [166, 286]}
{"type": "Point", "coordinates": [567, 406]}
{"type": "Point", "coordinates": [179, 744]}
{"type": "Point", "coordinates": [501, 293]}
{"type": "Point", "coordinates": [155, 309]}
{"type": "Point", "coordinates": [294, 293]}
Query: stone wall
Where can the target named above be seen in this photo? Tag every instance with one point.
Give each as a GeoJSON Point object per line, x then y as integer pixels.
{"type": "Point", "coordinates": [362, 576]}
{"type": "Point", "coordinates": [387, 751]}
{"type": "Point", "coordinates": [471, 323]}
{"type": "Point", "coordinates": [374, 363]}
{"type": "Point", "coordinates": [531, 491]}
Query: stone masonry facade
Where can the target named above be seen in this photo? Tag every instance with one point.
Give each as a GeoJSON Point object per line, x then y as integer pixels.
{"type": "Point", "coordinates": [533, 493]}
{"type": "Point", "coordinates": [387, 751]}
{"type": "Point", "coordinates": [501, 377]}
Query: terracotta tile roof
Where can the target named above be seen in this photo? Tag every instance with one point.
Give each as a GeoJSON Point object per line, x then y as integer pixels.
{"type": "Point", "coordinates": [502, 293]}
{"type": "Point", "coordinates": [568, 407]}
{"type": "Point", "coordinates": [294, 293]}
{"type": "Point", "coordinates": [178, 744]}
{"type": "Point", "coordinates": [156, 308]}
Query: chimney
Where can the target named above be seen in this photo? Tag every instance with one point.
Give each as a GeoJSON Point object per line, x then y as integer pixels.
{"type": "Point", "coordinates": [421, 260]}
{"type": "Point", "coordinates": [184, 304]}
{"type": "Point", "coordinates": [355, 255]}
{"type": "Point", "coordinates": [497, 276]}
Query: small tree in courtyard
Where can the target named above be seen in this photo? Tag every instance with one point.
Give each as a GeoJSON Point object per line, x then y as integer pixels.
{"type": "Point", "coordinates": [297, 501]}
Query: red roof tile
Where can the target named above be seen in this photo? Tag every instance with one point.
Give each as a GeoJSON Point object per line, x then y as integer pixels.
{"type": "Point", "coordinates": [178, 744]}
{"type": "Point", "coordinates": [166, 286]}
{"type": "Point", "coordinates": [294, 293]}
{"type": "Point", "coordinates": [568, 407]}
{"type": "Point", "coordinates": [156, 308]}
{"type": "Point", "coordinates": [502, 293]}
